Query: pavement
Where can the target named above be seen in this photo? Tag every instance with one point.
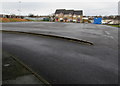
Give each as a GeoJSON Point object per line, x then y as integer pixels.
{"type": "Point", "coordinates": [63, 62]}
{"type": "Point", "coordinates": [15, 73]}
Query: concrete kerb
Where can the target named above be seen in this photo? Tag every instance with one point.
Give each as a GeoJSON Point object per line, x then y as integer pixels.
{"type": "Point", "coordinates": [30, 70]}
{"type": "Point", "coordinates": [55, 36]}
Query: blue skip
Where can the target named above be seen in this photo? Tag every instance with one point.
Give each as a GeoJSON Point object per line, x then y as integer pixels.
{"type": "Point", "coordinates": [97, 21]}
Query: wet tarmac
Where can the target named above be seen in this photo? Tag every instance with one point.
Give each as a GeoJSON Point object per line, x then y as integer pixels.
{"type": "Point", "coordinates": [64, 62]}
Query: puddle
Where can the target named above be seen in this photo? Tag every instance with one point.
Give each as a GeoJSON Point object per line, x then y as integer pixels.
{"type": "Point", "coordinates": [27, 79]}
{"type": "Point", "coordinates": [6, 65]}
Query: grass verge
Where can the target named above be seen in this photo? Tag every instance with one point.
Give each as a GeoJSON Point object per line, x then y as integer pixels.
{"type": "Point", "coordinates": [115, 25]}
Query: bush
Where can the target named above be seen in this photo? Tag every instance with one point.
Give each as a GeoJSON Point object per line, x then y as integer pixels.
{"type": "Point", "coordinates": [12, 20]}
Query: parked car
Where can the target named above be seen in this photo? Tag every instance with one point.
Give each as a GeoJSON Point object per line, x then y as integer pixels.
{"type": "Point", "coordinates": [74, 20]}
{"type": "Point", "coordinates": [46, 19]}
{"type": "Point", "coordinates": [61, 19]}
{"type": "Point", "coordinates": [71, 20]}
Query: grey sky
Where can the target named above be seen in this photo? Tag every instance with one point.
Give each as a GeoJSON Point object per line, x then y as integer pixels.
{"type": "Point", "coordinates": [60, 0]}
{"type": "Point", "coordinates": [45, 8]}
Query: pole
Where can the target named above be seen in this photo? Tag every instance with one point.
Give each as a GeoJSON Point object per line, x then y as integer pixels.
{"type": "Point", "coordinates": [20, 9]}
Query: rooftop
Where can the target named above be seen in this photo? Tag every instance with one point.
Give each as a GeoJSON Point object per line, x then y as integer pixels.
{"type": "Point", "coordinates": [76, 12]}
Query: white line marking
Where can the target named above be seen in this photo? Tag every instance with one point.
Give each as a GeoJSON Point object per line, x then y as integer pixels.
{"type": "Point", "coordinates": [107, 32]}
{"type": "Point", "coordinates": [109, 36]}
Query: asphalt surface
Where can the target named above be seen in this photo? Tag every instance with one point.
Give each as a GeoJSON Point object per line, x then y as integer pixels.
{"type": "Point", "coordinates": [66, 62]}
{"type": "Point", "coordinates": [15, 73]}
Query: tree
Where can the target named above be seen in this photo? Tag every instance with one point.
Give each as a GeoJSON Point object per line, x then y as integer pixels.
{"type": "Point", "coordinates": [31, 15]}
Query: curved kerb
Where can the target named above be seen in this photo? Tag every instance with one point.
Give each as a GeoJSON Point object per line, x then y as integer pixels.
{"type": "Point", "coordinates": [55, 36]}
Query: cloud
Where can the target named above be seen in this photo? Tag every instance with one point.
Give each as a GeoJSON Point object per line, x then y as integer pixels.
{"type": "Point", "coordinates": [45, 8]}
{"type": "Point", "coordinates": [60, 0]}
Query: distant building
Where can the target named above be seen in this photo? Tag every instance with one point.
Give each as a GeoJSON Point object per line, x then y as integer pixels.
{"type": "Point", "coordinates": [68, 15]}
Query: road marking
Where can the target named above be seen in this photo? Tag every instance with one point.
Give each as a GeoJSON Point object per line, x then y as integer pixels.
{"type": "Point", "coordinates": [107, 32]}
{"type": "Point", "coordinates": [109, 36]}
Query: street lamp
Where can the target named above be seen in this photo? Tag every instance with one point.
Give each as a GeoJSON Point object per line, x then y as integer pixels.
{"type": "Point", "coordinates": [19, 8]}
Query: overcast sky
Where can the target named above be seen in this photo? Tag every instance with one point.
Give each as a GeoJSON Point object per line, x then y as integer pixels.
{"type": "Point", "coordinates": [45, 7]}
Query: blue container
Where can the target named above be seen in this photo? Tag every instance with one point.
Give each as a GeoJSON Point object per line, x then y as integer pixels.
{"type": "Point", "coordinates": [97, 20]}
